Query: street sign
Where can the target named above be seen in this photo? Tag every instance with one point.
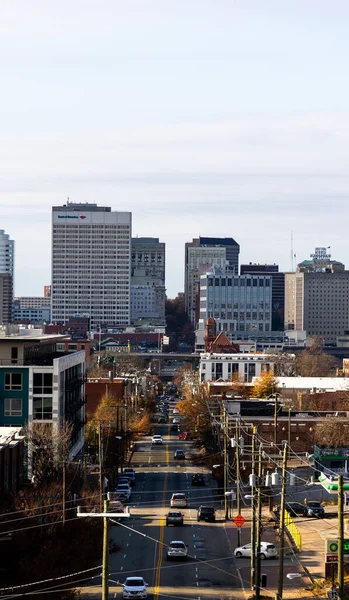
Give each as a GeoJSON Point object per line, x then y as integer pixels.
{"type": "Point", "coordinates": [239, 520]}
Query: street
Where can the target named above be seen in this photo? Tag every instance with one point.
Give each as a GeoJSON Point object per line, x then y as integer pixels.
{"type": "Point", "coordinates": [210, 571]}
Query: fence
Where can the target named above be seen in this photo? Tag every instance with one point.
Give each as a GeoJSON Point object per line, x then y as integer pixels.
{"type": "Point", "coordinates": [293, 530]}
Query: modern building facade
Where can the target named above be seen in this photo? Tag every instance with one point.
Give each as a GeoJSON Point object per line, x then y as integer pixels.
{"type": "Point", "coordinates": [278, 290]}
{"type": "Point", "coordinates": [32, 302]}
{"type": "Point", "coordinates": [215, 367]}
{"type": "Point", "coordinates": [7, 253]}
{"type": "Point", "coordinates": [148, 290]}
{"type": "Point", "coordinates": [6, 296]}
{"type": "Point", "coordinates": [239, 304]}
{"type": "Point", "coordinates": [38, 385]}
{"type": "Point", "coordinates": [317, 302]}
{"type": "Point", "coordinates": [30, 315]}
{"type": "Point", "coordinates": [91, 264]}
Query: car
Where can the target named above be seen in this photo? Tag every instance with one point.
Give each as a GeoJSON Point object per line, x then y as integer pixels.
{"type": "Point", "coordinates": [295, 509]}
{"type": "Point", "coordinates": [178, 500]}
{"type": "Point", "coordinates": [177, 549]}
{"type": "Point", "coordinates": [313, 508]}
{"type": "Point", "coordinates": [174, 517]}
{"type": "Point", "coordinates": [206, 512]}
{"type": "Point", "coordinates": [179, 455]}
{"type": "Point", "coordinates": [174, 427]}
{"type": "Point", "coordinates": [129, 471]}
{"type": "Point", "coordinates": [176, 421]}
{"type": "Point", "coordinates": [198, 479]}
{"type": "Point", "coordinates": [130, 477]}
{"type": "Point", "coordinates": [135, 587]}
{"type": "Point", "coordinates": [267, 550]}
{"type": "Point", "coordinates": [156, 439]}
{"type": "Point", "coordinates": [162, 419]}
{"type": "Point", "coordinates": [125, 489]}
{"type": "Point", "coordinates": [175, 411]}
{"type": "Point", "coordinates": [124, 480]}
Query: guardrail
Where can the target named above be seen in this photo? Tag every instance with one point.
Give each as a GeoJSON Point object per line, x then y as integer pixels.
{"type": "Point", "coordinates": [293, 530]}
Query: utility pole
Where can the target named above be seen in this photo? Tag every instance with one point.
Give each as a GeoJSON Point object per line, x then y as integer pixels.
{"type": "Point", "coordinates": [100, 453]}
{"type": "Point", "coordinates": [340, 539]}
{"type": "Point", "coordinates": [105, 564]}
{"type": "Point", "coordinates": [253, 512]}
{"type": "Point", "coordinates": [225, 433]}
{"type": "Point", "coordinates": [238, 497]}
{"type": "Point", "coordinates": [282, 527]}
{"type": "Point", "coordinates": [289, 429]}
{"type": "Point", "coordinates": [64, 491]}
{"type": "Point", "coordinates": [275, 423]}
{"type": "Point", "coordinates": [259, 526]}
{"type": "Point", "coordinates": [106, 516]}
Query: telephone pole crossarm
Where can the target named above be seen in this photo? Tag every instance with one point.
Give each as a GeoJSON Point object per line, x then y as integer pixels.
{"type": "Point", "coordinates": [111, 515]}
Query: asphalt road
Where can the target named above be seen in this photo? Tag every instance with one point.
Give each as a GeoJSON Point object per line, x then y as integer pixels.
{"type": "Point", "coordinates": [211, 570]}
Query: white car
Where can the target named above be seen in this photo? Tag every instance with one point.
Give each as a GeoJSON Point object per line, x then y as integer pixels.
{"type": "Point", "coordinates": [135, 587]}
{"type": "Point", "coordinates": [177, 549]}
{"type": "Point", "coordinates": [176, 421]}
{"type": "Point", "coordinates": [156, 439]}
{"type": "Point", "coordinates": [267, 550]}
{"type": "Point", "coordinates": [178, 500]}
{"type": "Point", "coordinates": [175, 411]}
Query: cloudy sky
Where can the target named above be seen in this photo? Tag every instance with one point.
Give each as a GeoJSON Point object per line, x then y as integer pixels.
{"type": "Point", "coordinates": [202, 117]}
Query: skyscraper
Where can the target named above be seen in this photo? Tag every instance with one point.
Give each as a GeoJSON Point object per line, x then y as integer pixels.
{"type": "Point", "coordinates": [201, 254]}
{"type": "Point", "coordinates": [91, 264]}
{"type": "Point", "coordinates": [147, 279]}
{"type": "Point", "coordinates": [7, 247]}
{"type": "Point", "coordinates": [278, 287]}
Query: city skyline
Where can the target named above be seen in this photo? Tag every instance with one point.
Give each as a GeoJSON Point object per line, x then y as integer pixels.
{"type": "Point", "coordinates": [229, 122]}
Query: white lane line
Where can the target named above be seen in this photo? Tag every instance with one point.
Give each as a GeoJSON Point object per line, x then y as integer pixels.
{"type": "Point", "coordinates": [130, 534]}
{"type": "Point", "coordinates": [124, 555]}
{"type": "Point", "coordinates": [121, 568]}
{"type": "Point", "coordinates": [127, 544]}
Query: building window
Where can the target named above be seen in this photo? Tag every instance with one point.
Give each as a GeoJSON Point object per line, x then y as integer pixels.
{"type": "Point", "coordinates": [42, 408]}
{"type": "Point", "coordinates": [13, 407]}
{"type": "Point", "coordinates": [13, 381]}
{"type": "Point", "coordinates": [14, 355]}
{"type": "Point", "coordinates": [42, 383]}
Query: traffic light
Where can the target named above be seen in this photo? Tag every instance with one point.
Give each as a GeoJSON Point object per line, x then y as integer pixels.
{"type": "Point", "coordinates": [196, 429]}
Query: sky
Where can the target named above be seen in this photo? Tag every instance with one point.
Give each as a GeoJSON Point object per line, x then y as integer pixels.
{"type": "Point", "coordinates": [212, 118]}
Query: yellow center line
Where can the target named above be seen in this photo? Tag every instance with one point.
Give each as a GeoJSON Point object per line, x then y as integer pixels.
{"type": "Point", "coordinates": [161, 541]}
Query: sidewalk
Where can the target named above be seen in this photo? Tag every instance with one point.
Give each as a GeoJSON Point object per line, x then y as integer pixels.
{"type": "Point", "coordinates": [293, 588]}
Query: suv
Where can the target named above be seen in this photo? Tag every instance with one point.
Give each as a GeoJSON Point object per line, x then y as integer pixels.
{"type": "Point", "coordinates": [266, 551]}
{"type": "Point", "coordinates": [314, 509]}
{"type": "Point", "coordinates": [174, 517]}
{"type": "Point", "coordinates": [198, 479]}
{"type": "Point", "coordinates": [179, 455]}
{"type": "Point", "coordinates": [178, 500]}
{"type": "Point", "coordinates": [156, 439]}
{"type": "Point", "coordinates": [177, 549]}
{"type": "Point", "coordinates": [135, 587]}
{"type": "Point", "coordinates": [206, 513]}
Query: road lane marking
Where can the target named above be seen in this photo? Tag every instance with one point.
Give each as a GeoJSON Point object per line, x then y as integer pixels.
{"type": "Point", "coordinates": [161, 544]}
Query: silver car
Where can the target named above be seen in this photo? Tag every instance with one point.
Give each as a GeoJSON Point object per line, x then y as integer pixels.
{"type": "Point", "coordinates": [177, 549]}
{"type": "Point", "coordinates": [135, 587]}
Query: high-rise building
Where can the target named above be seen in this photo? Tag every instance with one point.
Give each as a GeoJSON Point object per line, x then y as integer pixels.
{"type": "Point", "coordinates": [147, 279]}
{"type": "Point", "coordinates": [7, 251]}
{"type": "Point", "coordinates": [47, 291]}
{"type": "Point", "coordinates": [201, 254]}
{"type": "Point", "coordinates": [318, 303]}
{"type": "Point", "coordinates": [278, 290]}
{"type": "Point", "coordinates": [239, 305]}
{"type": "Point", "coordinates": [91, 264]}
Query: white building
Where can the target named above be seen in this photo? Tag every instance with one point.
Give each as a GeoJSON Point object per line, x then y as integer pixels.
{"type": "Point", "coordinates": [148, 292]}
{"type": "Point", "coordinates": [32, 301]}
{"type": "Point", "coordinates": [225, 366]}
{"type": "Point", "coordinates": [91, 264]}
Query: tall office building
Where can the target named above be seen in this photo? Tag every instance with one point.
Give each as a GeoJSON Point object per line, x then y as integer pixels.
{"type": "Point", "coordinates": [240, 305]}
{"type": "Point", "coordinates": [7, 247]}
{"type": "Point", "coordinates": [148, 290]}
{"type": "Point", "coordinates": [201, 254]}
{"type": "Point", "coordinates": [278, 290]}
{"type": "Point", "coordinates": [91, 264]}
{"type": "Point", "coordinates": [318, 303]}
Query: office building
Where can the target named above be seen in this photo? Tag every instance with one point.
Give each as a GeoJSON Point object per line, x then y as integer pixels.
{"type": "Point", "coordinates": [30, 315]}
{"type": "Point", "coordinates": [7, 253]}
{"type": "Point", "coordinates": [201, 254]}
{"type": "Point", "coordinates": [225, 367]}
{"type": "Point", "coordinates": [317, 302]}
{"type": "Point", "coordinates": [239, 304]}
{"type": "Point", "coordinates": [6, 295]}
{"type": "Point", "coordinates": [278, 290]}
{"type": "Point", "coordinates": [47, 291]}
{"type": "Point", "coordinates": [91, 264]}
{"type": "Point", "coordinates": [26, 302]}
{"type": "Point", "coordinates": [148, 290]}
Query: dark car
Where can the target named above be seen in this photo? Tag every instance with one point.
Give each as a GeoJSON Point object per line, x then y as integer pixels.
{"type": "Point", "coordinates": [206, 513]}
{"type": "Point", "coordinates": [162, 419]}
{"type": "Point", "coordinates": [174, 427]}
{"type": "Point", "coordinates": [295, 509]}
{"type": "Point", "coordinates": [179, 455]}
{"type": "Point", "coordinates": [198, 479]}
{"type": "Point", "coordinates": [174, 517]}
{"type": "Point", "coordinates": [314, 509]}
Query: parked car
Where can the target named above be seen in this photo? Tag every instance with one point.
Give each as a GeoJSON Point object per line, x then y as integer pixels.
{"type": "Point", "coordinates": [178, 500]}
{"type": "Point", "coordinates": [295, 509]}
{"type": "Point", "coordinates": [124, 488]}
{"type": "Point", "coordinates": [174, 517]}
{"type": "Point", "coordinates": [179, 455]}
{"type": "Point", "coordinates": [135, 587]}
{"type": "Point", "coordinates": [130, 477]}
{"type": "Point", "coordinates": [267, 550]}
{"type": "Point", "coordinates": [206, 513]}
{"type": "Point", "coordinates": [198, 479]}
{"type": "Point", "coordinates": [156, 439]}
{"type": "Point", "coordinates": [313, 508]}
{"type": "Point", "coordinates": [177, 549]}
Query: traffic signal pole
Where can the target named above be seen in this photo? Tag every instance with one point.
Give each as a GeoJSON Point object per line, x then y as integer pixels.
{"type": "Point", "coordinates": [341, 539]}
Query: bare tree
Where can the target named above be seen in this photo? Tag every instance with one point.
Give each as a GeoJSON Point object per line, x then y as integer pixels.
{"type": "Point", "coordinates": [333, 432]}
{"type": "Point", "coordinates": [48, 447]}
{"type": "Point", "coordinates": [284, 364]}
{"type": "Point", "coordinates": [314, 362]}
